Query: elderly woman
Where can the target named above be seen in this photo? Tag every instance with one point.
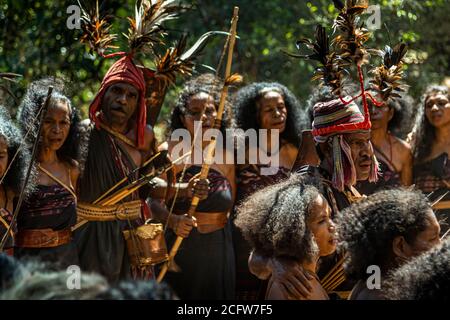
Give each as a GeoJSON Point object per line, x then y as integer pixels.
{"type": "Point", "coordinates": [431, 147]}
{"type": "Point", "coordinates": [271, 107]}
{"type": "Point", "coordinates": [385, 230]}
{"type": "Point", "coordinates": [13, 166]}
{"type": "Point", "coordinates": [290, 220]}
{"type": "Point", "coordinates": [206, 256]}
{"type": "Point", "coordinates": [46, 217]}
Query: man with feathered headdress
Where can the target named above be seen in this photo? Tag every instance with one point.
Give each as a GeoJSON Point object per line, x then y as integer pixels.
{"type": "Point", "coordinates": [341, 134]}
{"type": "Point", "coordinates": [119, 142]}
{"type": "Point", "coordinates": [342, 137]}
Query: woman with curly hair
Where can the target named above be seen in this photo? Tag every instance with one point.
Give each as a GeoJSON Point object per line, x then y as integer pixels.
{"type": "Point", "coordinates": [13, 166]}
{"type": "Point", "coordinates": [393, 154]}
{"type": "Point", "coordinates": [206, 256]}
{"type": "Point", "coordinates": [426, 277]}
{"type": "Point", "coordinates": [290, 221]}
{"type": "Point", "coordinates": [431, 147]}
{"type": "Point", "coordinates": [385, 230]}
{"type": "Point", "coordinates": [47, 215]}
{"type": "Point", "coordinates": [269, 106]}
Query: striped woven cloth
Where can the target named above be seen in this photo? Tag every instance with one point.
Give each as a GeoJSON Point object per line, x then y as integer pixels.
{"type": "Point", "coordinates": [334, 117]}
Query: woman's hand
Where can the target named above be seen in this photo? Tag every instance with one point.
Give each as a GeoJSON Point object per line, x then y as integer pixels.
{"type": "Point", "coordinates": [182, 224]}
{"type": "Point", "coordinates": [199, 187]}
{"type": "Point", "coordinates": [294, 279]}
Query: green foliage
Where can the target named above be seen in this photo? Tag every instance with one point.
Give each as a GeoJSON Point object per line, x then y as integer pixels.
{"type": "Point", "coordinates": [36, 42]}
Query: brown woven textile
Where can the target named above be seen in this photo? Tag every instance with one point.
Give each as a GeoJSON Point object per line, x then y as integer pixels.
{"type": "Point", "coordinates": [123, 211]}
{"type": "Point", "coordinates": [433, 178]}
{"type": "Point", "coordinates": [433, 174]}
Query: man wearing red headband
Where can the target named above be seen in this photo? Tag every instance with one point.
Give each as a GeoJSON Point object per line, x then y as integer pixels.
{"type": "Point", "coordinates": [342, 137]}
{"type": "Point", "coordinates": [119, 142]}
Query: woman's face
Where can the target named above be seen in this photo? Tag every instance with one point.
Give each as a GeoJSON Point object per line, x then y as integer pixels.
{"type": "Point", "coordinates": [196, 104]}
{"type": "Point", "coordinates": [272, 112]}
{"type": "Point", "coordinates": [322, 227]}
{"type": "Point", "coordinates": [3, 156]}
{"type": "Point", "coordinates": [380, 116]}
{"type": "Point", "coordinates": [56, 126]}
{"type": "Point", "coordinates": [437, 110]}
{"type": "Point", "coordinates": [426, 239]}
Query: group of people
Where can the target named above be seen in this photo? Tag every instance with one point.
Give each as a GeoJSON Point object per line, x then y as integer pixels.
{"type": "Point", "coordinates": [345, 195]}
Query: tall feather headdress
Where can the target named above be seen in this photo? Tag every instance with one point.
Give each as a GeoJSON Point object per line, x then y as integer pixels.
{"type": "Point", "coordinates": [348, 48]}
{"type": "Point", "coordinates": [387, 78]}
{"type": "Point", "coordinates": [145, 36]}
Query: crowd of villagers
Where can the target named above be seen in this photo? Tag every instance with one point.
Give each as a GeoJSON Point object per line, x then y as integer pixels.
{"type": "Point", "coordinates": [361, 188]}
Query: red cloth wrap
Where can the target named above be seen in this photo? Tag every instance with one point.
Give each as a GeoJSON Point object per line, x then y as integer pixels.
{"type": "Point", "coordinates": [123, 70]}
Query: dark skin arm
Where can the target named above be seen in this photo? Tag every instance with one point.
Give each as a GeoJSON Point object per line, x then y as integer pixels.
{"type": "Point", "coordinates": [406, 174]}
{"type": "Point", "coordinates": [294, 282]}
{"type": "Point", "coordinates": [182, 224]}
{"type": "Point", "coordinates": [185, 190]}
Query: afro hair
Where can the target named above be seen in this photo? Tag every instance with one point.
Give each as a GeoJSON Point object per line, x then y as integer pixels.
{"type": "Point", "coordinates": [368, 228]}
{"type": "Point", "coordinates": [274, 220]}
{"type": "Point", "coordinates": [427, 277]}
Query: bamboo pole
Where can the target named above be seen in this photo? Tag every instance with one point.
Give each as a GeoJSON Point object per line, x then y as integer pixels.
{"type": "Point", "coordinates": [125, 179]}
{"type": "Point", "coordinates": [339, 272]}
{"type": "Point", "coordinates": [332, 286]}
{"type": "Point", "coordinates": [135, 185]}
{"type": "Point", "coordinates": [211, 147]}
{"type": "Point", "coordinates": [445, 234]}
{"type": "Point", "coordinates": [330, 273]}
{"type": "Point", "coordinates": [435, 203]}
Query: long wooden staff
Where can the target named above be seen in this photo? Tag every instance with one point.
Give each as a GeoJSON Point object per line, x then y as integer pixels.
{"type": "Point", "coordinates": [27, 177]}
{"type": "Point", "coordinates": [212, 146]}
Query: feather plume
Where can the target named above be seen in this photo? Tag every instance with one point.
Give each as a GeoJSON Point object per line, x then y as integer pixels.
{"type": "Point", "coordinates": [387, 78]}
{"type": "Point", "coordinates": [146, 28]}
{"type": "Point", "coordinates": [350, 37]}
{"type": "Point", "coordinates": [96, 30]}
{"type": "Point", "coordinates": [178, 60]}
{"type": "Point", "coordinates": [329, 72]}
{"type": "Point", "coordinates": [234, 79]}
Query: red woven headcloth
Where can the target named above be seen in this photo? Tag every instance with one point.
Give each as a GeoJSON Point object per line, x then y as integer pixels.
{"type": "Point", "coordinates": [123, 70]}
